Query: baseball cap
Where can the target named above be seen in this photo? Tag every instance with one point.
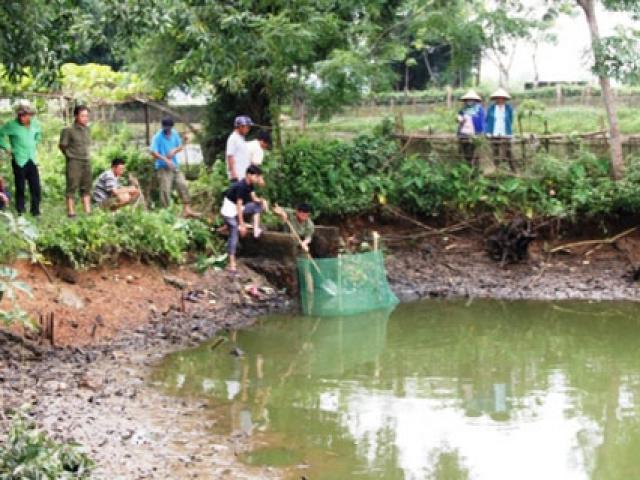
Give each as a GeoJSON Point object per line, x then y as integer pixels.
{"type": "Point", "coordinates": [23, 107]}
{"type": "Point", "coordinates": [243, 120]}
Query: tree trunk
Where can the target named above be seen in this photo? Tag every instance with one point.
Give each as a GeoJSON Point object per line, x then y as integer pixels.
{"type": "Point", "coordinates": [427, 65]}
{"type": "Point", "coordinates": [617, 161]}
{"type": "Point", "coordinates": [406, 78]}
{"type": "Point", "coordinates": [504, 75]}
{"type": "Point", "coordinates": [534, 58]}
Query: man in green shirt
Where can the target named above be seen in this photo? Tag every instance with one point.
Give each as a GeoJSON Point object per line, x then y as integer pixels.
{"type": "Point", "coordinates": [300, 220]}
{"type": "Point", "coordinates": [75, 144]}
{"type": "Point", "coordinates": [23, 133]}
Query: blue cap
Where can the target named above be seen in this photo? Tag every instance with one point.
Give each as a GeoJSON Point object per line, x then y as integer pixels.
{"type": "Point", "coordinates": [243, 120]}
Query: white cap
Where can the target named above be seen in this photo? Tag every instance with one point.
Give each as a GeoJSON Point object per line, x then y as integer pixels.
{"type": "Point", "coordinates": [501, 93]}
{"type": "Point", "coordinates": [471, 95]}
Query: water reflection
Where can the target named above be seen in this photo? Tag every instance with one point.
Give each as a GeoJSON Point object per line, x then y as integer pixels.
{"type": "Point", "coordinates": [439, 390]}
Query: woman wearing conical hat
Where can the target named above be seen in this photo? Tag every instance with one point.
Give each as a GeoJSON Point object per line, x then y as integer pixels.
{"type": "Point", "coordinates": [470, 124]}
{"type": "Point", "coordinates": [499, 127]}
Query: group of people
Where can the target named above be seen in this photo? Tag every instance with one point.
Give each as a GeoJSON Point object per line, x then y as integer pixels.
{"type": "Point", "coordinates": [244, 159]}
{"type": "Point", "coordinates": [20, 136]}
{"type": "Point", "coordinates": [496, 124]}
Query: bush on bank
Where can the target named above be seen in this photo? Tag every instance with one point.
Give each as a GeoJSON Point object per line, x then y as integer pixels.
{"type": "Point", "coordinates": [151, 236]}
{"type": "Point", "coordinates": [336, 177]}
{"type": "Point", "coordinates": [347, 178]}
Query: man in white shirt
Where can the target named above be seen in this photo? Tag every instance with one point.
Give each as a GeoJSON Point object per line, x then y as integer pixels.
{"type": "Point", "coordinates": [237, 152]}
{"type": "Point", "coordinates": [258, 146]}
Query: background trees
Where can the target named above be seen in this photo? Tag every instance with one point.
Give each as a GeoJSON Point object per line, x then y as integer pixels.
{"type": "Point", "coordinates": [36, 36]}
{"type": "Point", "coordinates": [256, 56]}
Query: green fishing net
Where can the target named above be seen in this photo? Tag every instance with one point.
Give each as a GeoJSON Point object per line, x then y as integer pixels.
{"type": "Point", "coordinates": [346, 285]}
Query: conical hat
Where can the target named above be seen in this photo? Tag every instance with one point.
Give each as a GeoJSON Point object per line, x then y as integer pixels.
{"type": "Point", "coordinates": [501, 93]}
{"type": "Point", "coordinates": [471, 95]}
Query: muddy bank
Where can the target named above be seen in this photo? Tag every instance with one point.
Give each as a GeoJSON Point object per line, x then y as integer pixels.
{"type": "Point", "coordinates": [98, 394]}
{"type": "Point", "coordinates": [446, 267]}
{"type": "Point", "coordinates": [95, 390]}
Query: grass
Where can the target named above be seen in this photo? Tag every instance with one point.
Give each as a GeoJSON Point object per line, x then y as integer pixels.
{"type": "Point", "coordinates": [561, 120]}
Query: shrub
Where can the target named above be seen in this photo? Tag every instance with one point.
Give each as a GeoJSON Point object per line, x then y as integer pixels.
{"type": "Point", "coordinates": [29, 454]}
{"type": "Point", "coordinates": [336, 177]}
{"type": "Point", "coordinates": [153, 236]}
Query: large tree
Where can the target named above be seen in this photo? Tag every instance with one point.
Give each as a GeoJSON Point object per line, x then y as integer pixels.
{"type": "Point", "coordinates": [609, 60]}
{"type": "Point", "coordinates": [36, 36]}
{"type": "Point", "coordinates": [255, 56]}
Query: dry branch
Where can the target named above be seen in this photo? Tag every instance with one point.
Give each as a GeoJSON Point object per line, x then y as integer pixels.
{"type": "Point", "coordinates": [583, 243]}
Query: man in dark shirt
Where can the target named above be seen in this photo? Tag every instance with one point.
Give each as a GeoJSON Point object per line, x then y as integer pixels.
{"type": "Point", "coordinates": [75, 144]}
{"type": "Point", "coordinates": [240, 200]}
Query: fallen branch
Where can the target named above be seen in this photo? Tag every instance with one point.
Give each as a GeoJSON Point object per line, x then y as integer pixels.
{"type": "Point", "coordinates": [433, 231]}
{"type": "Point", "coordinates": [45, 270]}
{"type": "Point", "coordinates": [583, 243]}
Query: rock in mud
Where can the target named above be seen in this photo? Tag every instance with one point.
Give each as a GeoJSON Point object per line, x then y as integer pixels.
{"type": "Point", "coordinates": [175, 282]}
{"type": "Point", "coordinates": [70, 299]}
{"type": "Point", "coordinates": [236, 352]}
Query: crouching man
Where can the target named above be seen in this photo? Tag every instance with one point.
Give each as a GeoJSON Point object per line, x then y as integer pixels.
{"type": "Point", "coordinates": [107, 192]}
{"type": "Point", "coordinates": [300, 220]}
{"type": "Point", "coordinates": [241, 200]}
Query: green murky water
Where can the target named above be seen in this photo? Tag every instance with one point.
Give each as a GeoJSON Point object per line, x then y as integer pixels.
{"type": "Point", "coordinates": [434, 390]}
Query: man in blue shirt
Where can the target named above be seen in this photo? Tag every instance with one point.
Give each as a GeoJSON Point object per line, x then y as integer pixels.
{"type": "Point", "coordinates": [165, 146]}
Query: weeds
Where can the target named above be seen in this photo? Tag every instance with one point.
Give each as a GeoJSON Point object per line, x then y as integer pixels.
{"type": "Point", "coordinates": [29, 454]}
{"type": "Point", "coordinates": [103, 236]}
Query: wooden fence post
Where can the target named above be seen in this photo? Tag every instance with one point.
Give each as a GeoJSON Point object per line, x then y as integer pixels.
{"type": "Point", "coordinates": [147, 130]}
{"type": "Point", "coordinates": [558, 94]}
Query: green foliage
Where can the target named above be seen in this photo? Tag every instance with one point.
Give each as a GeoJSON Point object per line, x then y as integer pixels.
{"type": "Point", "coordinates": [29, 454]}
{"type": "Point", "coordinates": [17, 240]}
{"type": "Point", "coordinates": [554, 188]}
{"type": "Point", "coordinates": [37, 35]}
{"type": "Point", "coordinates": [337, 178]}
{"type": "Point", "coordinates": [9, 286]}
{"type": "Point", "coordinates": [104, 236]}
{"type": "Point", "coordinates": [617, 55]}
{"type": "Point", "coordinates": [254, 57]}
{"type": "Point", "coordinates": [341, 178]}
{"type": "Point", "coordinates": [94, 83]}
{"type": "Point", "coordinates": [528, 110]}
{"type": "Point", "coordinates": [207, 191]}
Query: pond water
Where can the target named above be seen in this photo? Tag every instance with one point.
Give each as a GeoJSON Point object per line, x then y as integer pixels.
{"type": "Point", "coordinates": [433, 390]}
